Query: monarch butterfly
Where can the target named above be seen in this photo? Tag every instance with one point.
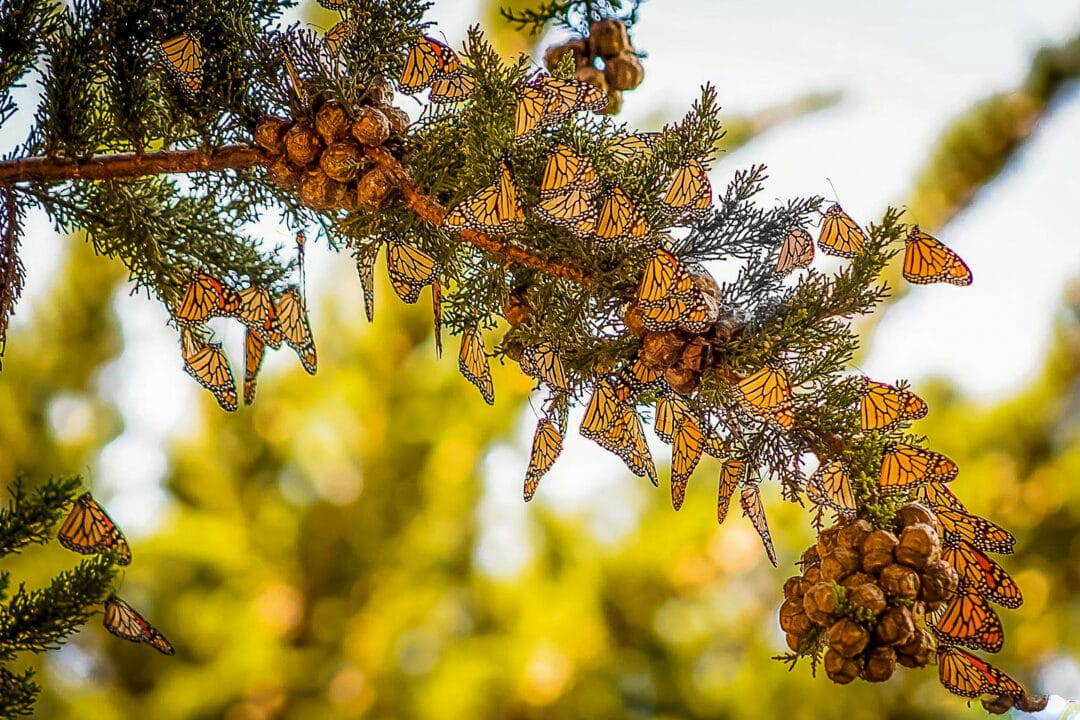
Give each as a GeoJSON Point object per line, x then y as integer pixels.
{"type": "Point", "coordinates": [959, 526]}
{"type": "Point", "coordinates": [566, 167]}
{"type": "Point", "coordinates": [334, 4]}
{"type": "Point", "coordinates": [564, 97]}
{"type": "Point", "coordinates": [969, 620]}
{"type": "Point", "coordinates": [206, 362]}
{"type": "Point", "coordinates": [294, 76]}
{"type": "Point", "coordinates": [700, 314]}
{"type": "Point", "coordinates": [528, 111]}
{"type": "Point", "coordinates": [336, 37]}
{"type": "Point", "coordinates": [767, 394]}
{"type": "Point", "coordinates": [966, 675]}
{"type": "Point", "coordinates": [547, 444]}
{"type": "Point", "coordinates": [753, 509]}
{"type": "Point", "coordinates": [671, 411]}
{"type": "Point", "coordinates": [427, 61]}
{"type": "Point", "coordinates": [982, 574]}
{"type": "Point", "coordinates": [940, 496]}
{"type": "Point", "coordinates": [436, 311]}
{"type": "Point", "coordinates": [840, 235]}
{"type": "Point", "coordinates": [641, 377]}
{"type": "Point", "coordinates": [204, 297]}
{"type": "Point", "coordinates": [830, 485]}
{"type": "Point", "coordinates": [883, 406]}
{"type": "Point", "coordinates": [409, 269]}
{"type": "Point", "coordinates": [574, 209]}
{"type": "Point", "coordinates": [797, 251]}
{"type": "Point", "coordinates": [258, 313]}
{"type": "Point", "coordinates": [928, 260]}
{"type": "Point", "coordinates": [731, 475]}
{"type": "Point", "coordinates": [689, 189]}
{"type": "Point", "coordinates": [688, 443]}
{"type": "Point", "coordinates": [293, 320]}
{"type": "Point", "coordinates": [615, 426]}
{"type": "Point", "coordinates": [89, 529]}
{"type": "Point", "coordinates": [904, 466]}
{"type": "Point", "coordinates": [635, 451]}
{"type": "Point", "coordinates": [124, 622]}
{"type": "Point", "coordinates": [619, 219]}
{"type": "Point", "coordinates": [542, 361]}
{"type": "Point", "coordinates": [254, 349]}
{"type": "Point", "coordinates": [454, 88]}
{"type": "Point", "coordinates": [183, 56]}
{"type": "Point", "coordinates": [495, 209]}
{"type": "Point", "coordinates": [663, 276]}
{"type": "Point", "coordinates": [473, 363]}
{"type": "Point", "coordinates": [632, 147]}
{"type": "Point", "coordinates": [365, 268]}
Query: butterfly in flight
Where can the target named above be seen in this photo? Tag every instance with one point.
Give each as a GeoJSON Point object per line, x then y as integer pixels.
{"type": "Point", "coordinates": [89, 529]}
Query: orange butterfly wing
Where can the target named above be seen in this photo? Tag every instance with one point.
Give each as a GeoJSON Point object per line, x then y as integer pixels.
{"type": "Point", "coordinates": [797, 251]}
{"type": "Point", "coordinates": [767, 394]}
{"type": "Point", "coordinates": [753, 508]}
{"type": "Point", "coordinates": [969, 620]}
{"type": "Point", "coordinates": [89, 529]}
{"type": "Point", "coordinates": [473, 364]}
{"type": "Point", "coordinates": [840, 235]}
{"type": "Point", "coordinates": [124, 622]}
{"type": "Point", "coordinates": [547, 444]}
{"type": "Point", "coordinates": [984, 575]}
{"type": "Point", "coordinates": [883, 406]}
{"type": "Point", "coordinates": [906, 466]}
{"type": "Point", "coordinates": [969, 676]}
{"type": "Point", "coordinates": [928, 260]}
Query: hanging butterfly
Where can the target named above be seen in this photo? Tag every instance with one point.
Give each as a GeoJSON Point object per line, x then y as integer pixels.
{"type": "Point", "coordinates": [671, 410]}
{"type": "Point", "coordinates": [968, 620]}
{"type": "Point", "coordinates": [547, 444]}
{"type": "Point", "coordinates": [620, 220]}
{"type": "Point", "coordinates": [669, 297]}
{"type": "Point", "coordinates": [183, 56]}
{"type": "Point", "coordinates": [205, 297]}
{"type": "Point", "coordinates": [124, 622]}
{"type": "Point", "coordinates": [528, 111]}
{"type": "Point", "coordinates": [254, 349]}
{"type": "Point", "coordinates": [689, 189]}
{"type": "Point", "coordinates": [731, 476]}
{"type": "Point", "coordinates": [928, 260]}
{"type": "Point", "coordinates": [456, 88]}
{"type": "Point", "coordinates": [495, 209]}
{"type": "Point", "coordinates": [840, 235]}
{"type": "Point", "coordinates": [983, 575]}
{"type": "Point", "coordinates": [365, 268]}
{"type": "Point", "coordinates": [767, 394]}
{"type": "Point", "coordinates": [410, 270]}
{"type": "Point", "coordinates": [958, 526]}
{"type": "Point", "coordinates": [293, 321]}
{"type": "Point", "coordinates": [338, 36]}
{"type": "Point", "coordinates": [549, 101]}
{"type": "Point", "coordinates": [797, 251]}
{"type": "Point", "coordinates": [636, 452]}
{"type": "Point", "coordinates": [883, 406]}
{"type": "Point", "coordinates": [436, 311]}
{"type": "Point", "coordinates": [89, 529]}
{"type": "Point", "coordinates": [258, 313]}
{"type": "Point", "coordinates": [338, 5]}
{"type": "Point", "coordinates": [830, 486]}
{"type": "Point", "coordinates": [688, 444]}
{"type": "Point", "coordinates": [542, 362]}
{"type": "Point", "coordinates": [428, 60]}
{"type": "Point", "coordinates": [564, 168]}
{"type": "Point", "coordinates": [940, 496]}
{"type": "Point", "coordinates": [206, 362]}
{"type": "Point", "coordinates": [642, 377]}
{"type": "Point", "coordinates": [636, 146]}
{"type": "Point", "coordinates": [755, 510]}
{"type": "Point", "coordinates": [615, 426]}
{"type": "Point", "coordinates": [473, 363]}
{"type": "Point", "coordinates": [968, 676]}
{"type": "Point", "coordinates": [906, 466]}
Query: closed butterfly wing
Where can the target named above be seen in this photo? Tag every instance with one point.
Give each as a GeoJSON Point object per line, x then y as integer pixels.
{"type": "Point", "coordinates": [906, 466]}
{"type": "Point", "coordinates": [754, 509]}
{"type": "Point", "coordinates": [620, 220]}
{"type": "Point", "coordinates": [978, 532]}
{"type": "Point", "coordinates": [565, 167]}
{"type": "Point", "coordinates": [883, 406]}
{"type": "Point", "coordinates": [688, 443]}
{"type": "Point", "coordinates": [456, 88]}
{"type": "Point", "coordinates": [968, 676]}
{"type": "Point", "coordinates": [689, 189]}
{"type": "Point", "coordinates": [767, 394]}
{"type": "Point", "coordinates": [636, 146]}
{"type": "Point", "coordinates": [254, 350]}
{"type": "Point", "coordinates": [928, 260]}
{"type": "Point", "coordinates": [731, 474]}
{"type": "Point", "coordinates": [701, 313]}
{"type": "Point", "coordinates": [547, 444]}
{"type": "Point", "coordinates": [542, 361]}
{"type": "Point", "coordinates": [511, 214]}
{"type": "Point", "coordinates": [124, 622]}
{"type": "Point", "coordinates": [670, 411]}
{"type": "Point", "coordinates": [840, 235]}
{"type": "Point", "coordinates": [968, 620]}
{"type": "Point", "coordinates": [495, 209]}
{"type": "Point", "coordinates": [528, 111]}
{"type": "Point", "coordinates": [633, 447]}
{"type": "Point", "coordinates": [89, 529]}
{"type": "Point", "coordinates": [336, 37]}
{"type": "Point", "coordinates": [983, 575]}
{"type": "Point", "coordinates": [797, 251]}
{"type": "Point", "coordinates": [365, 268]}
{"type": "Point", "coordinates": [206, 362]}
{"type": "Point", "coordinates": [205, 297]}
{"type": "Point", "coordinates": [601, 413]}
{"type": "Point", "coordinates": [473, 364]}
{"type": "Point", "coordinates": [436, 311]}
{"type": "Point", "coordinates": [642, 377]}
{"type": "Point", "coordinates": [423, 59]}
{"type": "Point", "coordinates": [939, 496]}
{"type": "Point", "coordinates": [410, 270]}
{"type": "Point", "coordinates": [293, 320]}
{"type": "Point", "coordinates": [574, 209]}
{"type": "Point", "coordinates": [830, 486]}
{"type": "Point", "coordinates": [563, 97]}
{"type": "Point", "coordinates": [183, 56]}
{"type": "Point", "coordinates": [258, 313]}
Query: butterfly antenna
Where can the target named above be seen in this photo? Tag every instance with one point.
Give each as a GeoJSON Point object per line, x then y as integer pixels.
{"type": "Point", "coordinates": [836, 196]}
{"type": "Point", "coordinates": [301, 241]}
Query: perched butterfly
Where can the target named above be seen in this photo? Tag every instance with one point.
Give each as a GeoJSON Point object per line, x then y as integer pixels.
{"type": "Point", "coordinates": [89, 529]}
{"type": "Point", "coordinates": [840, 235]}
{"type": "Point", "coordinates": [797, 251]}
{"type": "Point", "coordinates": [664, 276]}
{"type": "Point", "coordinates": [258, 313]}
{"type": "Point", "coordinates": [124, 622]}
{"type": "Point", "coordinates": [635, 448]}
{"type": "Point", "coordinates": [547, 444]}
{"type": "Point", "coordinates": [689, 189]}
{"type": "Point", "coordinates": [410, 270]}
{"type": "Point", "coordinates": [905, 466]}
{"type": "Point", "coordinates": [642, 377]}
{"type": "Point", "coordinates": [669, 297]}
{"type": "Point", "coordinates": [427, 61]}
{"type": "Point", "coordinates": [978, 532]}
{"type": "Point", "coordinates": [565, 97]}
{"type": "Point", "coordinates": [632, 147]}
{"type": "Point", "coordinates": [295, 80]}
{"type": "Point", "coordinates": [615, 426]}
{"type": "Point", "coordinates": [968, 620]}
{"type": "Point", "coordinates": [436, 311]}
{"type": "Point", "coordinates": [495, 209]}
{"type": "Point", "coordinates": [969, 676]}
{"type": "Point", "coordinates": [883, 406]}
{"type": "Point", "coordinates": [830, 486]}
{"type": "Point", "coordinates": [205, 297]}
{"type": "Point", "coordinates": [940, 496]}
{"type": "Point", "coordinates": [753, 509]}
{"type": "Point", "coordinates": [293, 320]}
{"type": "Point", "coordinates": [767, 394]}
{"type": "Point", "coordinates": [671, 410]}
{"type": "Point", "coordinates": [927, 260]}
{"type": "Point", "coordinates": [731, 476]}
{"type": "Point", "coordinates": [454, 88]}
{"type": "Point", "coordinates": [334, 4]}
{"type": "Point", "coordinates": [541, 361]}
{"type": "Point", "coordinates": [620, 220]}
{"type": "Point", "coordinates": [566, 167]}
{"type": "Point", "coordinates": [336, 37]}
{"type": "Point", "coordinates": [183, 56]}
{"type": "Point", "coordinates": [206, 363]}
{"type": "Point", "coordinates": [688, 443]}
{"type": "Point", "coordinates": [529, 111]}
{"type": "Point", "coordinates": [473, 364]}
{"type": "Point", "coordinates": [254, 349]}
{"type": "Point", "coordinates": [982, 574]}
{"type": "Point", "coordinates": [365, 268]}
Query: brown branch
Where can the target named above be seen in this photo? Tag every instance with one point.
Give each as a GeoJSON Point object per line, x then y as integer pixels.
{"type": "Point", "coordinates": [127, 165]}
{"type": "Point", "coordinates": [11, 267]}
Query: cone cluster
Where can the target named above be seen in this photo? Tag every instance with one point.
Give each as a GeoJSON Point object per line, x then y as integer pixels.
{"type": "Point", "coordinates": [866, 591]}
{"type": "Point", "coordinates": [322, 158]}
{"type": "Point", "coordinates": [609, 42]}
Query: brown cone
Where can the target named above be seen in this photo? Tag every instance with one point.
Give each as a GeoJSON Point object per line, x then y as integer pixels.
{"type": "Point", "coordinates": [624, 72]}
{"type": "Point", "coordinates": [847, 637]}
{"type": "Point", "coordinates": [302, 144]}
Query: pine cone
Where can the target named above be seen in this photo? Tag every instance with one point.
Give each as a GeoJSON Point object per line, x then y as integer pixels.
{"type": "Point", "coordinates": [878, 551]}
{"type": "Point", "coordinates": [270, 134]}
{"type": "Point", "coordinates": [839, 564]}
{"type": "Point", "coordinates": [632, 318]}
{"type": "Point", "coordinates": [614, 103]}
{"type": "Point", "coordinates": [939, 582]}
{"type": "Point", "coordinates": [696, 355]}
{"type": "Point", "coordinates": [795, 587]}
{"type": "Point", "coordinates": [661, 349]}
{"type": "Point", "coordinates": [868, 596]}
{"type": "Point", "coordinates": [841, 670]}
{"type": "Point", "coordinates": [793, 618]}
{"type": "Point", "coordinates": [318, 191]}
{"type": "Point", "coordinates": [827, 541]}
{"type": "Point", "coordinates": [917, 651]}
{"type": "Point", "coordinates": [609, 38]}
{"type": "Point", "coordinates": [375, 189]}
{"type": "Point", "coordinates": [812, 575]}
{"type": "Point", "coordinates": [880, 665]}
{"type": "Point", "coordinates": [332, 122]}
{"type": "Point", "coordinates": [918, 546]}
{"type": "Point", "coordinates": [847, 637]}
{"type": "Point", "coordinates": [379, 91]}
{"type": "Point", "coordinates": [518, 310]}
{"type": "Point", "coordinates": [342, 161]}
{"type": "Point", "coordinates": [397, 118]}
{"type": "Point", "coordinates": [302, 144]}
{"type": "Point", "coordinates": [913, 513]}
{"type": "Point", "coordinates": [895, 627]}
{"type": "Point", "coordinates": [900, 581]}
{"type": "Point", "coordinates": [853, 535]}
{"type": "Point", "coordinates": [371, 127]}
{"type": "Point", "coordinates": [580, 48]}
{"type": "Point", "coordinates": [682, 380]}
{"type": "Point", "coordinates": [592, 76]}
{"type": "Point", "coordinates": [283, 174]}
{"type": "Point", "coordinates": [820, 603]}
{"type": "Point", "coordinates": [623, 72]}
